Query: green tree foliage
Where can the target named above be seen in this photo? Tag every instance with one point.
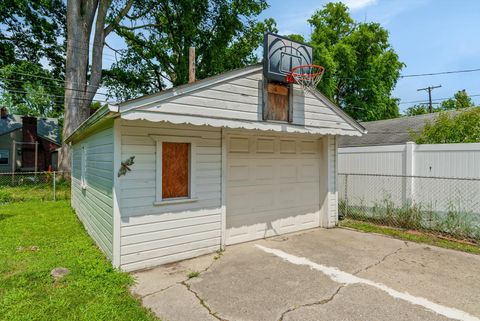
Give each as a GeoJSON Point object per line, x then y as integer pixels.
{"type": "Point", "coordinates": [459, 100]}
{"type": "Point", "coordinates": [362, 68]}
{"type": "Point", "coordinates": [416, 110]}
{"type": "Point", "coordinates": [448, 128]}
{"type": "Point", "coordinates": [32, 35]}
{"type": "Point", "coordinates": [24, 94]}
{"type": "Point", "coordinates": [225, 33]}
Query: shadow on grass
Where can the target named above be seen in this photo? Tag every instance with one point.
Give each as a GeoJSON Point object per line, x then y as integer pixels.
{"type": "Point", "coordinates": [4, 216]}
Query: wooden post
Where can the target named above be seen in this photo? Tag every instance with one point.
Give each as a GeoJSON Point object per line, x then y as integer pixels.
{"type": "Point", "coordinates": [36, 159]}
{"type": "Point", "coordinates": [191, 65]}
{"type": "Point", "coordinates": [14, 149]}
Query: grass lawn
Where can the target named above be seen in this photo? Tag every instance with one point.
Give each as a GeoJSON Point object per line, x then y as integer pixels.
{"type": "Point", "coordinates": [92, 291]}
{"type": "Point", "coordinates": [413, 236]}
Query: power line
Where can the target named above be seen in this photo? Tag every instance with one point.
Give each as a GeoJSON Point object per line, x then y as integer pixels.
{"type": "Point", "coordinates": [436, 99]}
{"type": "Point", "coordinates": [55, 96]}
{"type": "Point", "coordinates": [51, 86]}
{"type": "Point", "coordinates": [441, 73]}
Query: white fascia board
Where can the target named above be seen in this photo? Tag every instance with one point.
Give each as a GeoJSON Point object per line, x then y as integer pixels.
{"type": "Point", "coordinates": [233, 123]}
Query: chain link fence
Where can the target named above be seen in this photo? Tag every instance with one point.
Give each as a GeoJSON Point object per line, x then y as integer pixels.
{"type": "Point", "coordinates": [449, 206]}
{"type": "Point", "coordinates": [34, 186]}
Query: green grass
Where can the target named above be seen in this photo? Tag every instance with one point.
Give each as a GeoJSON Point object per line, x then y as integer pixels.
{"type": "Point", "coordinates": [411, 236]}
{"type": "Point", "coordinates": [26, 193]}
{"type": "Point", "coordinates": [92, 291]}
{"type": "Point", "coordinates": [193, 274]}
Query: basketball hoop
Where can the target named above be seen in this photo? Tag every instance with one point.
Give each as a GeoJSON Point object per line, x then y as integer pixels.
{"type": "Point", "coordinates": [307, 76]}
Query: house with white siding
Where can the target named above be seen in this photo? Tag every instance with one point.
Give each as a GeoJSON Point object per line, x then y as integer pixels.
{"type": "Point", "coordinates": [215, 163]}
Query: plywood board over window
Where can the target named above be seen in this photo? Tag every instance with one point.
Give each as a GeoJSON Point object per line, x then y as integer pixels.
{"type": "Point", "coordinates": [277, 102]}
{"type": "Point", "coordinates": [175, 170]}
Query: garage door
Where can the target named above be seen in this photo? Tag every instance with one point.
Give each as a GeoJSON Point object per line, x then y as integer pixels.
{"type": "Point", "coordinates": [272, 187]}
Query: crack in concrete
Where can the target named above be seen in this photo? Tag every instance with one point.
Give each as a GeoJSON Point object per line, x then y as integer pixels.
{"type": "Point", "coordinates": [159, 291]}
{"type": "Point", "coordinates": [321, 302]}
{"type": "Point", "coordinates": [202, 302]}
{"type": "Point", "coordinates": [214, 259]}
{"type": "Point", "coordinates": [378, 262]}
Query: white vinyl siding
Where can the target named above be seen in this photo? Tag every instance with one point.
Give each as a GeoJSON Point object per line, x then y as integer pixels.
{"type": "Point", "coordinates": [156, 234]}
{"type": "Point", "coordinates": [241, 99]}
{"type": "Point", "coordinates": [92, 160]}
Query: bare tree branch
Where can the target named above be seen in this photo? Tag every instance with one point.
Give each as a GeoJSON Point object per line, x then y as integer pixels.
{"type": "Point", "coordinates": [119, 17]}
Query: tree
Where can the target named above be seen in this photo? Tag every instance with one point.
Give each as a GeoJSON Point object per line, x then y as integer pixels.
{"type": "Point", "coordinates": [33, 31]}
{"type": "Point", "coordinates": [416, 110]}
{"type": "Point", "coordinates": [448, 128]}
{"type": "Point", "coordinates": [459, 100]}
{"type": "Point", "coordinates": [32, 90]}
{"type": "Point", "coordinates": [32, 60]}
{"type": "Point", "coordinates": [362, 68]}
{"type": "Point", "coordinates": [225, 34]}
{"type": "Point", "coordinates": [82, 76]}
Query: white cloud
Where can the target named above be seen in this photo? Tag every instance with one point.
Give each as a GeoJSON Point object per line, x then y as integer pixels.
{"type": "Point", "coordinates": [359, 4]}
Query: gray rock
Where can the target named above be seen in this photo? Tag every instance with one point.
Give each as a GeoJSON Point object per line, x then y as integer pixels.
{"type": "Point", "coordinates": [59, 273]}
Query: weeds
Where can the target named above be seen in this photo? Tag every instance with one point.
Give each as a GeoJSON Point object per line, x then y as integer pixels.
{"type": "Point", "coordinates": [193, 274]}
{"type": "Point", "coordinates": [386, 212]}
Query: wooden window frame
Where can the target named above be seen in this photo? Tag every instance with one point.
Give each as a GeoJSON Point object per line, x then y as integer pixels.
{"type": "Point", "coordinates": [159, 200]}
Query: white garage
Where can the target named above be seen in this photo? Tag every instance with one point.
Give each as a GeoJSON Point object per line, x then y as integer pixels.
{"type": "Point", "coordinates": [273, 186]}
{"type": "Point", "coordinates": [224, 160]}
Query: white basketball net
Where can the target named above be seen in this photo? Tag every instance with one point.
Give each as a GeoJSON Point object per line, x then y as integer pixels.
{"type": "Point", "coordinates": [306, 77]}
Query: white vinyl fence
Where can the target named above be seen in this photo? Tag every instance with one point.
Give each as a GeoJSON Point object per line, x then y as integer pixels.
{"type": "Point", "coordinates": [441, 180]}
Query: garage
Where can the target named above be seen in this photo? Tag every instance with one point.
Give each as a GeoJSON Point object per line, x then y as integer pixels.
{"type": "Point", "coordinates": [273, 185]}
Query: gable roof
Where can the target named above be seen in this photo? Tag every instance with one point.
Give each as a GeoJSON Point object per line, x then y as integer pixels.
{"type": "Point", "coordinates": [236, 106]}
{"type": "Point", "coordinates": [46, 127]}
{"type": "Point", "coordinates": [394, 131]}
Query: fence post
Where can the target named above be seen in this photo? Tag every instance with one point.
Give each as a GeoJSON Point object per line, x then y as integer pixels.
{"type": "Point", "coordinates": [346, 196]}
{"type": "Point", "coordinates": [54, 187]}
{"type": "Point", "coordinates": [410, 172]}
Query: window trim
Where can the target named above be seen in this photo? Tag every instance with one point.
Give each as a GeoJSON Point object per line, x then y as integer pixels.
{"type": "Point", "coordinates": [83, 166]}
{"type": "Point", "coordinates": [192, 197]}
{"type": "Point", "coordinates": [8, 156]}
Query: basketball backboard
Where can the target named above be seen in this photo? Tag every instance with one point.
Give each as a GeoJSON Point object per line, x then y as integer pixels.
{"type": "Point", "coordinates": [282, 54]}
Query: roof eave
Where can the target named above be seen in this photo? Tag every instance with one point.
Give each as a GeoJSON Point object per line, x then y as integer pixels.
{"type": "Point", "coordinates": [340, 112]}
{"type": "Point", "coordinates": [103, 113]}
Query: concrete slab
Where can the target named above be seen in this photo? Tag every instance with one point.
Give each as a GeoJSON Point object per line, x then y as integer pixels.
{"type": "Point", "coordinates": [447, 277]}
{"type": "Point", "coordinates": [247, 283]}
{"type": "Point", "coordinates": [177, 303]}
{"type": "Point", "coordinates": [157, 279]}
{"type": "Point", "coordinates": [362, 303]}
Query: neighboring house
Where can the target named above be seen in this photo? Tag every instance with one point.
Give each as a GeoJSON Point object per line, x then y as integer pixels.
{"type": "Point", "coordinates": [28, 143]}
{"type": "Point", "coordinates": [396, 131]}
{"type": "Point", "coordinates": [211, 168]}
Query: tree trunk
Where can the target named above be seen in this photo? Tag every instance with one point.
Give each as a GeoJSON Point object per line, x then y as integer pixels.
{"type": "Point", "coordinates": [79, 88]}
{"type": "Point", "coordinates": [79, 27]}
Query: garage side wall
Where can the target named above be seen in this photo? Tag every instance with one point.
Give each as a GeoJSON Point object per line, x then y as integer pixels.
{"type": "Point", "coordinates": [151, 234]}
{"type": "Point", "coordinates": [92, 200]}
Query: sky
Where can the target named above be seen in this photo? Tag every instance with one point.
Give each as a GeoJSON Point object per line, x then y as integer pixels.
{"type": "Point", "coordinates": [428, 35]}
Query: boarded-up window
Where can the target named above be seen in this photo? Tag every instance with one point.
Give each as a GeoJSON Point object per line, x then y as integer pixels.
{"type": "Point", "coordinates": [175, 169]}
{"type": "Point", "coordinates": [277, 102]}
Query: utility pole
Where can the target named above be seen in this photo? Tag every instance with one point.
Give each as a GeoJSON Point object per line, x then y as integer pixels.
{"type": "Point", "coordinates": [429, 90]}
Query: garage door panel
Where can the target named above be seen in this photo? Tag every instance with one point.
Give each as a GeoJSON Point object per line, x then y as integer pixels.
{"type": "Point", "coordinates": [274, 188]}
{"type": "Point", "coordinates": [248, 227]}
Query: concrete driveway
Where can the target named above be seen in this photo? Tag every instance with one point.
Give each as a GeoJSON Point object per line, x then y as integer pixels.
{"type": "Point", "coordinates": [318, 275]}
